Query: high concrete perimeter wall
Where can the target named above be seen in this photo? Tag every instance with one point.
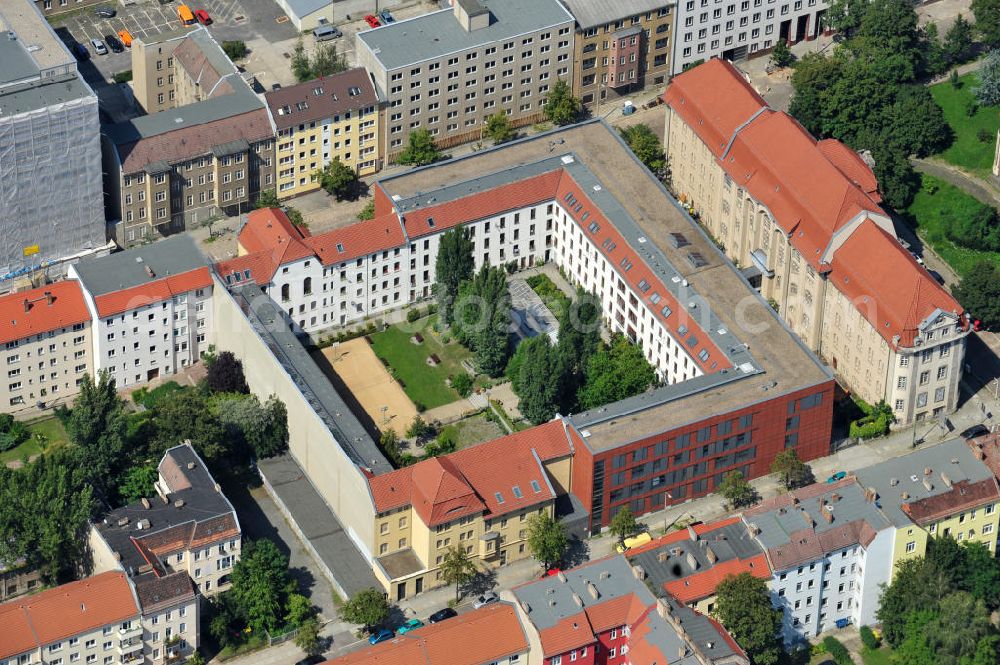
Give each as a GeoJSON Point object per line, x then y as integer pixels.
{"type": "Point", "coordinates": [339, 481]}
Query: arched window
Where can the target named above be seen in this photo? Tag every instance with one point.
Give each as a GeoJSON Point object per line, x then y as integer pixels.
{"type": "Point", "coordinates": [307, 285]}
{"type": "Point", "coordinates": [284, 292]}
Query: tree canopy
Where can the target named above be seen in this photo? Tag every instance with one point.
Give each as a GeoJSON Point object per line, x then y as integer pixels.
{"type": "Point", "coordinates": [987, 13]}
{"type": "Point", "coordinates": [498, 128]}
{"type": "Point", "coordinates": [324, 61]}
{"type": "Point", "coordinates": [367, 608]}
{"type": "Point", "coordinates": [225, 374]}
{"type": "Point", "coordinates": [743, 604]}
{"type": "Point", "coordinates": [647, 148]}
{"type": "Point", "coordinates": [482, 318]}
{"type": "Point", "coordinates": [338, 179]}
{"type": "Point", "coordinates": [454, 265]}
{"type": "Point", "coordinates": [615, 372]}
{"type": "Point", "coordinates": [420, 149]}
{"type": "Point", "coordinates": [561, 107]}
{"type": "Point", "coordinates": [261, 584]}
{"type": "Point", "coordinates": [537, 363]}
{"type": "Point", "coordinates": [979, 293]}
{"type": "Point", "coordinates": [792, 472]}
{"type": "Point", "coordinates": [623, 524]}
{"type": "Point", "coordinates": [457, 568]}
{"type": "Point", "coordinates": [737, 490]}
{"type": "Point", "coordinates": [546, 539]}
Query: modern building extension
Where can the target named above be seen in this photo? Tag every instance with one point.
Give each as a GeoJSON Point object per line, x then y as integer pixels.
{"type": "Point", "coordinates": [51, 206]}
{"type": "Point", "coordinates": [46, 333]}
{"type": "Point", "coordinates": [601, 613]}
{"type": "Point", "coordinates": [151, 308]}
{"type": "Point", "coordinates": [333, 117]}
{"type": "Point", "coordinates": [741, 29]}
{"type": "Point", "coordinates": [205, 147]}
{"type": "Point", "coordinates": [621, 47]}
{"type": "Point", "coordinates": [449, 70]}
{"type": "Point", "coordinates": [803, 217]}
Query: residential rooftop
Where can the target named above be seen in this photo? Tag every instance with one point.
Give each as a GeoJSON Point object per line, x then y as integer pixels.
{"type": "Point", "coordinates": [939, 472]}
{"type": "Point", "coordinates": [487, 635]}
{"type": "Point", "coordinates": [436, 34]}
{"type": "Point", "coordinates": [37, 311]}
{"type": "Point", "coordinates": [592, 13]}
{"type": "Point", "coordinates": [324, 97]}
{"type": "Point", "coordinates": [140, 266]}
{"type": "Point", "coordinates": [592, 154]}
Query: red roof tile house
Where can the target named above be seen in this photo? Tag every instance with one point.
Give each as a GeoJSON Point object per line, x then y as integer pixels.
{"type": "Point", "coordinates": [602, 613]}
{"type": "Point", "coordinates": [51, 325]}
{"type": "Point", "coordinates": [478, 498]}
{"type": "Point", "coordinates": [804, 217]}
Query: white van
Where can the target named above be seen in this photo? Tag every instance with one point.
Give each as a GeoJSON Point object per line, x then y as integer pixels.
{"type": "Point", "coordinates": [326, 32]}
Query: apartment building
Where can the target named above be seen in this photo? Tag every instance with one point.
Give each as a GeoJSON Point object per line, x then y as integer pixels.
{"type": "Point", "coordinates": [189, 527]}
{"type": "Point", "coordinates": [741, 29]}
{"type": "Point", "coordinates": [587, 208]}
{"type": "Point", "coordinates": [204, 149]}
{"type": "Point", "coordinates": [601, 613]}
{"type": "Point", "coordinates": [50, 158]}
{"type": "Point", "coordinates": [333, 117]}
{"type": "Point", "coordinates": [17, 579]}
{"type": "Point", "coordinates": [51, 7]}
{"type": "Point", "coordinates": [803, 217]}
{"type": "Point", "coordinates": [469, 499]}
{"type": "Point", "coordinates": [48, 346]}
{"type": "Point", "coordinates": [945, 490]}
{"type": "Point", "coordinates": [492, 634]}
{"type": "Point", "coordinates": [95, 620]}
{"type": "Point", "coordinates": [688, 564]}
{"type": "Point", "coordinates": [829, 548]}
{"type": "Point", "coordinates": [449, 70]}
{"type": "Point", "coordinates": [151, 308]}
{"type": "Point", "coordinates": [620, 47]}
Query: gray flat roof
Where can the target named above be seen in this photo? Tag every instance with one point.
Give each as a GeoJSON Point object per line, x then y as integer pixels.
{"type": "Point", "coordinates": [906, 474]}
{"type": "Point", "coordinates": [590, 13]}
{"type": "Point", "coordinates": [439, 33]}
{"type": "Point", "coordinates": [34, 33]}
{"type": "Point", "coordinates": [15, 63]}
{"type": "Point", "coordinates": [64, 88]}
{"type": "Point", "coordinates": [122, 270]}
{"type": "Point", "coordinates": [268, 319]}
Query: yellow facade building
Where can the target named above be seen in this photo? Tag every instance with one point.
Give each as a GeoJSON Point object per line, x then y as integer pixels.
{"type": "Point", "coordinates": [479, 499]}
{"type": "Point", "coordinates": [328, 118]}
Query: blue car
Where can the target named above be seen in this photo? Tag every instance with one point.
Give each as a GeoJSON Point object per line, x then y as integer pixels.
{"type": "Point", "coordinates": [381, 636]}
{"type": "Point", "coordinates": [386, 16]}
{"type": "Point", "coordinates": [840, 475]}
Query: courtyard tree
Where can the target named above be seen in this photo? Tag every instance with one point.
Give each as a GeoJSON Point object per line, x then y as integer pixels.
{"type": "Point", "coordinates": [647, 148]}
{"type": "Point", "coordinates": [457, 568]}
{"type": "Point", "coordinates": [97, 424]}
{"type": "Point", "coordinates": [419, 428]}
{"type": "Point", "coordinates": [736, 490]}
{"type": "Point", "coordinates": [482, 318]}
{"type": "Point", "coordinates": [615, 372]}
{"type": "Point", "coordinates": [987, 13]}
{"type": "Point", "coordinates": [138, 482]}
{"type": "Point", "coordinates": [536, 384]}
{"type": "Point", "coordinates": [261, 584]}
{"type": "Point", "coordinates": [958, 46]}
{"type": "Point", "coordinates": [268, 198]}
{"type": "Point", "coordinates": [454, 265]}
{"type": "Point", "coordinates": [307, 638]}
{"type": "Point", "coordinates": [368, 212]}
{"type": "Point", "coordinates": [338, 179]}
{"type": "Point", "coordinates": [743, 604]}
{"type": "Point", "coordinates": [988, 90]}
{"type": "Point", "coordinates": [324, 61]}
{"type": "Point", "coordinates": [792, 472]}
{"type": "Point", "coordinates": [498, 128]}
{"type": "Point", "coordinates": [263, 428]}
{"type": "Point", "coordinates": [546, 539]}
{"type": "Point", "coordinates": [368, 608]}
{"type": "Point", "coordinates": [782, 56]}
{"type": "Point", "coordinates": [845, 15]}
{"type": "Point", "coordinates": [623, 524]}
{"type": "Point", "coordinates": [225, 374]}
{"type": "Point", "coordinates": [561, 107]}
{"type": "Point", "coordinates": [979, 293]}
{"type": "Point", "coordinates": [420, 149]}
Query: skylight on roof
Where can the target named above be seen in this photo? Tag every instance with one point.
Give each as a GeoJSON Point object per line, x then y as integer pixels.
{"type": "Point", "coordinates": [568, 196]}
{"type": "Point", "coordinates": [678, 240]}
{"type": "Point", "coordinates": [354, 91]}
{"type": "Point", "coordinates": [430, 222]}
{"type": "Point", "coordinates": [625, 264]}
{"type": "Point", "coordinates": [499, 497]}
{"type": "Point", "coordinates": [665, 311]}
{"type": "Point", "coordinates": [535, 486]}
{"type": "Point", "coordinates": [318, 90]}
{"type": "Point", "coordinates": [696, 259]}
{"type": "Point", "coordinates": [517, 492]}
{"type": "Point", "coordinates": [703, 354]}
{"type": "Point", "coordinates": [594, 227]}
{"type": "Point", "coordinates": [340, 247]}
{"type": "Point", "coordinates": [655, 298]}
{"type": "Point", "coordinates": [682, 329]}
{"type": "Point", "coordinates": [643, 285]}
{"type": "Point", "coordinates": [246, 273]}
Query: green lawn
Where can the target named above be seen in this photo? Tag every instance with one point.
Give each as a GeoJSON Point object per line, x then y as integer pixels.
{"type": "Point", "coordinates": [877, 657]}
{"type": "Point", "coordinates": [425, 385]}
{"type": "Point", "coordinates": [50, 428]}
{"type": "Point", "coordinates": [934, 205]}
{"type": "Point", "coordinates": [967, 151]}
{"type": "Point", "coordinates": [477, 429]}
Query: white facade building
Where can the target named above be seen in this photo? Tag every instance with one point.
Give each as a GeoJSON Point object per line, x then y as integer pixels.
{"type": "Point", "coordinates": [737, 29]}
{"type": "Point", "coordinates": [152, 309]}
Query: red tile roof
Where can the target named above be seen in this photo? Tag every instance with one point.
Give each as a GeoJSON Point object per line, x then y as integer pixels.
{"type": "Point", "coordinates": [570, 633]}
{"type": "Point", "coordinates": [886, 284]}
{"type": "Point", "coordinates": [465, 482]}
{"type": "Point", "coordinates": [64, 611]}
{"type": "Point", "coordinates": [303, 104]}
{"type": "Point", "coordinates": [813, 190]}
{"type": "Point", "coordinates": [156, 290]}
{"type": "Point", "coordinates": [367, 237]}
{"type": "Point", "coordinates": [26, 313]}
{"type": "Point", "coordinates": [962, 496]}
{"type": "Point", "coordinates": [482, 636]}
{"type": "Point", "coordinates": [627, 609]}
{"type": "Point", "coordinates": [703, 584]}
{"type": "Point", "coordinates": [987, 449]}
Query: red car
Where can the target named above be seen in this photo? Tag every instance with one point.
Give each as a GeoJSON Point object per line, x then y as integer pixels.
{"type": "Point", "coordinates": [203, 17]}
{"type": "Point", "coordinates": [372, 21]}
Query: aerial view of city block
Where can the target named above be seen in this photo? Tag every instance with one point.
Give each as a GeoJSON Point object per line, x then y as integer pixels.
{"type": "Point", "coordinates": [500, 332]}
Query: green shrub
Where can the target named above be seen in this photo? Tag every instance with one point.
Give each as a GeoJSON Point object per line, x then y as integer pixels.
{"type": "Point", "coordinates": [462, 384]}
{"type": "Point", "coordinates": [868, 638]}
{"type": "Point", "coordinates": [413, 314]}
{"type": "Point", "coordinates": [123, 77]}
{"type": "Point", "coordinates": [837, 651]}
{"type": "Point", "coordinates": [235, 49]}
{"type": "Point", "coordinates": [874, 423]}
{"type": "Point", "coordinates": [12, 432]}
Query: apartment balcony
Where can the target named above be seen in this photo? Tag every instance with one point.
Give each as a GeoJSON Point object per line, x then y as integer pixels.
{"type": "Point", "coordinates": [128, 633]}
{"type": "Point", "coordinates": [130, 646]}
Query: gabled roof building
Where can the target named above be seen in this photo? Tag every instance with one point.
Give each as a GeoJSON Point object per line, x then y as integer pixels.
{"type": "Point", "coordinates": [804, 217]}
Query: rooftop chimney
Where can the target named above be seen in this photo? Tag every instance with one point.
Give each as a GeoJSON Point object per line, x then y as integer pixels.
{"type": "Point", "coordinates": [578, 600]}
{"type": "Point", "coordinates": [710, 553]}
{"type": "Point", "coordinates": [145, 503]}
{"type": "Point", "coordinates": [562, 576]}
{"type": "Point", "coordinates": [149, 271]}
{"type": "Point", "coordinates": [49, 298]}
{"type": "Point", "coordinates": [662, 555]}
{"type": "Point", "coordinates": [190, 465]}
{"type": "Point", "coordinates": [946, 479]}
{"type": "Point", "coordinates": [808, 518]}
{"type": "Point", "coordinates": [928, 484]}
{"type": "Point", "coordinates": [691, 561]}
{"type": "Point", "coordinates": [27, 305]}
{"type": "Point", "coordinates": [827, 515]}
{"type": "Point", "coordinates": [638, 572]}
{"type": "Point", "coordinates": [525, 607]}
{"type": "Point", "coordinates": [605, 574]}
{"type": "Point", "coordinates": [662, 608]}
{"type": "Point", "coordinates": [692, 534]}
{"type": "Point", "coordinates": [592, 590]}
{"type": "Point", "coordinates": [179, 503]}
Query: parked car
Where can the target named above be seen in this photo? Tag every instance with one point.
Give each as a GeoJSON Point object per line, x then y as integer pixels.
{"type": "Point", "coordinates": [917, 258]}
{"type": "Point", "coordinates": [105, 12]}
{"type": "Point", "coordinates": [441, 615]}
{"type": "Point", "coordinates": [635, 541]}
{"type": "Point", "coordinates": [551, 572]}
{"type": "Point", "coordinates": [412, 624]}
{"type": "Point", "coordinates": [99, 47]}
{"type": "Point", "coordinates": [326, 32]}
{"type": "Point", "coordinates": [372, 21]}
{"type": "Point", "coordinates": [486, 599]}
{"type": "Point", "coordinates": [386, 16]}
{"type": "Point", "coordinates": [937, 277]}
{"type": "Point", "coordinates": [113, 43]}
{"type": "Point", "coordinates": [840, 475]}
{"type": "Point", "coordinates": [381, 636]}
{"type": "Point", "coordinates": [126, 38]}
{"type": "Point", "coordinates": [975, 431]}
{"type": "Point", "coordinates": [203, 17]}
{"type": "Point", "coordinates": [80, 51]}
